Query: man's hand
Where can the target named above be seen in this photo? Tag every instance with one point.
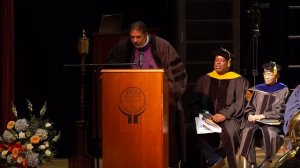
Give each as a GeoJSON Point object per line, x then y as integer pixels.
{"type": "Point", "coordinates": [218, 118]}
{"type": "Point", "coordinates": [253, 118]}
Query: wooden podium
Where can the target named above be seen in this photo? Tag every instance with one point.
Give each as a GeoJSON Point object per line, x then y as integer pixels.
{"type": "Point", "coordinates": [134, 118]}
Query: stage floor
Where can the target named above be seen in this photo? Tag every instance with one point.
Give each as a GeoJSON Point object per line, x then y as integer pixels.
{"type": "Point", "coordinates": [63, 162]}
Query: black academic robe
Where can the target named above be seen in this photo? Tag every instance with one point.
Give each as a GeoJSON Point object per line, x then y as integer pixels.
{"type": "Point", "coordinates": [224, 95]}
{"type": "Point", "coordinates": [269, 101]}
{"type": "Point", "coordinates": [167, 59]}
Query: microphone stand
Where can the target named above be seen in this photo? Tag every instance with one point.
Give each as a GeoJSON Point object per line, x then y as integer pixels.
{"type": "Point", "coordinates": [82, 157]}
{"type": "Point", "coordinates": [255, 50]}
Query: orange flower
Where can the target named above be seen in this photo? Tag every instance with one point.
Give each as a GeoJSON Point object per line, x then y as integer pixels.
{"type": "Point", "coordinates": [35, 139]}
{"type": "Point", "coordinates": [10, 124]}
{"type": "Point", "coordinates": [15, 152]}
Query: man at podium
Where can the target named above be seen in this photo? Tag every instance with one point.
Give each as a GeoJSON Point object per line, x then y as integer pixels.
{"type": "Point", "coordinates": [148, 51]}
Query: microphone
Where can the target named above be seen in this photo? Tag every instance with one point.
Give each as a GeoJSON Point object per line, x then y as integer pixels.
{"type": "Point", "coordinates": [141, 55]}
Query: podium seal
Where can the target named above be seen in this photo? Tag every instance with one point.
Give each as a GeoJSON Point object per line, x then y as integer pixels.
{"type": "Point", "coordinates": [132, 103]}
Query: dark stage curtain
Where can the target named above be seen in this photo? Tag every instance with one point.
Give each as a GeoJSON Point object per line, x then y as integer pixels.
{"type": "Point", "coordinates": [7, 60]}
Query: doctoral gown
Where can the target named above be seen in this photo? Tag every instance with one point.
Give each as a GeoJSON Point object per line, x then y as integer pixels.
{"type": "Point", "coordinates": [166, 58]}
{"type": "Point", "coordinates": [223, 94]}
{"type": "Point", "coordinates": [270, 102]}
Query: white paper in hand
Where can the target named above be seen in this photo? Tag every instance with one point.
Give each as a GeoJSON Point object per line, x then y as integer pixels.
{"type": "Point", "coordinates": [205, 125]}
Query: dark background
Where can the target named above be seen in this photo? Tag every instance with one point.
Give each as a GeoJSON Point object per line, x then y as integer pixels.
{"type": "Point", "coordinates": [46, 36]}
{"type": "Point", "coordinates": [47, 32]}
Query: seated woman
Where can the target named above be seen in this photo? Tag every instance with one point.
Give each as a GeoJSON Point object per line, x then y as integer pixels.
{"type": "Point", "coordinates": [267, 103]}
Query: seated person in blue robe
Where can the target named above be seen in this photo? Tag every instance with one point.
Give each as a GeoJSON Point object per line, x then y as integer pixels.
{"type": "Point", "coordinates": [292, 106]}
{"type": "Point", "coordinates": [264, 113]}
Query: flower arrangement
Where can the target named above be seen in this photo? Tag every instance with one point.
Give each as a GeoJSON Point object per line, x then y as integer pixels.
{"type": "Point", "coordinates": [28, 142]}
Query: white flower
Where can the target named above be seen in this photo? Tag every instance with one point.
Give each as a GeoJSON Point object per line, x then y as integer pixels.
{"type": "Point", "coordinates": [9, 158]}
{"type": "Point", "coordinates": [42, 146]}
{"type": "Point", "coordinates": [22, 135]}
{"type": "Point", "coordinates": [21, 125]}
{"type": "Point", "coordinates": [29, 146]}
{"type": "Point", "coordinates": [8, 136]}
{"type": "Point", "coordinates": [21, 132]}
{"type": "Point", "coordinates": [20, 160]}
{"type": "Point", "coordinates": [55, 139]}
{"type": "Point", "coordinates": [46, 144]}
{"type": "Point", "coordinates": [48, 152]}
{"type": "Point", "coordinates": [33, 159]}
{"type": "Point", "coordinates": [48, 125]}
{"type": "Point", "coordinates": [4, 153]}
{"type": "Point", "coordinates": [42, 133]}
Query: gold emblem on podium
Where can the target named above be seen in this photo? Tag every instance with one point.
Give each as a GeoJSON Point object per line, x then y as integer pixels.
{"type": "Point", "coordinates": [132, 103]}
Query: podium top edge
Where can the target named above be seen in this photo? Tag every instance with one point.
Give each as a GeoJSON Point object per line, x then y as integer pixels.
{"type": "Point", "coordinates": [132, 70]}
